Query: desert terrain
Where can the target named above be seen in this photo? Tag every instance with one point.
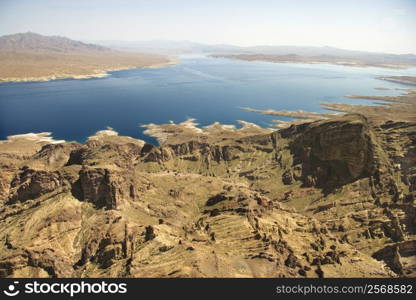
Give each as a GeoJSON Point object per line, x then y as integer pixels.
{"type": "Point", "coordinates": [33, 57]}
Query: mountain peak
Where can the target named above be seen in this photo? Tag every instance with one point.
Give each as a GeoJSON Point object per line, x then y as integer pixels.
{"type": "Point", "coordinates": [31, 41]}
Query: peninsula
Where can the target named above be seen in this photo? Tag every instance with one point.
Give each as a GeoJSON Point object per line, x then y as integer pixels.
{"type": "Point", "coordinates": [34, 57]}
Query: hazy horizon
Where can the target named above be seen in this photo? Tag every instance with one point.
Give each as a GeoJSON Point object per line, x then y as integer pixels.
{"type": "Point", "coordinates": [376, 26]}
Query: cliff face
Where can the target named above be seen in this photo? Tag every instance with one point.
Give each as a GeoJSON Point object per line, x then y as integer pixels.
{"type": "Point", "coordinates": [332, 198]}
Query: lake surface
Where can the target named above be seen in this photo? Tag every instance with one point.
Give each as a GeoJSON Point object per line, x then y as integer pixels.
{"type": "Point", "coordinates": [208, 89]}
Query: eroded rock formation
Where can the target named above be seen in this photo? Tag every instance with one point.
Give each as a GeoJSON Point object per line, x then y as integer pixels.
{"type": "Point", "coordinates": [329, 198]}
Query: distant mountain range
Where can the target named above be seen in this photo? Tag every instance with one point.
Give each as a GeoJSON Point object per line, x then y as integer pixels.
{"type": "Point", "coordinates": [188, 47]}
{"type": "Point", "coordinates": [192, 47]}
{"type": "Point", "coordinates": [169, 47]}
{"type": "Point", "coordinates": [30, 41]}
{"type": "Point", "coordinates": [35, 43]}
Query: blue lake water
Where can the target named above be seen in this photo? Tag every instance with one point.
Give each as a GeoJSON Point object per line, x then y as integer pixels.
{"type": "Point", "coordinates": [208, 89]}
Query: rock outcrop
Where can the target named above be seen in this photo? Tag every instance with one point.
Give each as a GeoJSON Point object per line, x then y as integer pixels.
{"type": "Point", "coordinates": [30, 184]}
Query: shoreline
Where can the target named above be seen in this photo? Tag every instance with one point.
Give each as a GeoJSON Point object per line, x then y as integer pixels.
{"type": "Point", "coordinates": [406, 80]}
{"type": "Point", "coordinates": [186, 130]}
{"type": "Point", "coordinates": [313, 62]}
{"type": "Point", "coordinates": [96, 74]}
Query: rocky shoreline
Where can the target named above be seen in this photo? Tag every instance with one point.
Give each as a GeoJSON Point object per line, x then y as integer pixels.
{"type": "Point", "coordinates": [401, 107]}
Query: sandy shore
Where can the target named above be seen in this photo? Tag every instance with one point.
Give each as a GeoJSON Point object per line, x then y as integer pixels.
{"type": "Point", "coordinates": [95, 74]}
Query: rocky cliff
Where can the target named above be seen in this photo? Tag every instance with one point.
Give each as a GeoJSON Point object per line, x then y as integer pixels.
{"type": "Point", "coordinates": [330, 198]}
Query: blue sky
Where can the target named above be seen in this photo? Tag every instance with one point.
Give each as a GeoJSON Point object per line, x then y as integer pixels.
{"type": "Point", "coordinates": [373, 25]}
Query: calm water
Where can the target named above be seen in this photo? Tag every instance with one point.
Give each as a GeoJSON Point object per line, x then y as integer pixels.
{"type": "Point", "coordinates": [207, 89]}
